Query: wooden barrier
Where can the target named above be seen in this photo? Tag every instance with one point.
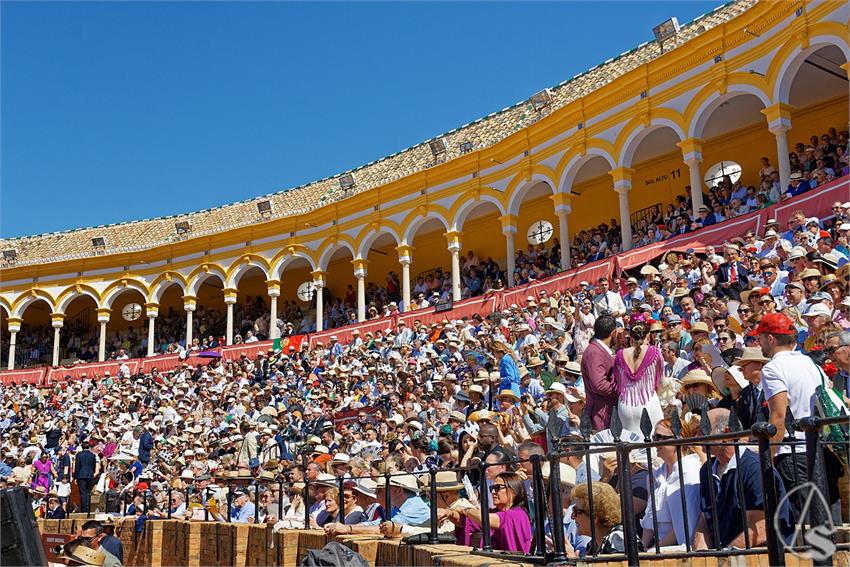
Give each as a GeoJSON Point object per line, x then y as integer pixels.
{"type": "Point", "coordinates": [162, 543]}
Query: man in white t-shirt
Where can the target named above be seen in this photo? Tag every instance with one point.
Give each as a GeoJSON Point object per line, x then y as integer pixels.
{"type": "Point", "coordinates": [789, 382]}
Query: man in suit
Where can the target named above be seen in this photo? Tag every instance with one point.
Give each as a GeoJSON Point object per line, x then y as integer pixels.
{"type": "Point", "coordinates": [706, 217]}
{"type": "Point", "coordinates": [732, 275]}
{"type": "Point", "coordinates": [751, 406]}
{"type": "Point", "coordinates": [597, 364]}
{"type": "Point", "coordinates": [145, 445]}
{"type": "Point", "coordinates": [85, 471]}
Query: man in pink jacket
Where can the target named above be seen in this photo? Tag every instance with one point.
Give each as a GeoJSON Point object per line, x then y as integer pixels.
{"type": "Point", "coordinates": [597, 364]}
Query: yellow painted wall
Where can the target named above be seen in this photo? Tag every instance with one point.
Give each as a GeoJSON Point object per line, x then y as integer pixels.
{"type": "Point", "coordinates": [172, 297]}
{"type": "Point", "coordinates": [117, 321]}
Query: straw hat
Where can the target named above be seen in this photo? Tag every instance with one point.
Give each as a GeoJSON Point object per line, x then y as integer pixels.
{"type": "Point", "coordinates": [508, 394]}
{"type": "Point", "coordinates": [86, 556]}
{"type": "Point", "coordinates": [557, 388]}
{"type": "Point", "coordinates": [366, 487]}
{"type": "Point", "coordinates": [405, 481]}
{"type": "Point", "coordinates": [445, 481]}
{"type": "Point", "coordinates": [568, 473]}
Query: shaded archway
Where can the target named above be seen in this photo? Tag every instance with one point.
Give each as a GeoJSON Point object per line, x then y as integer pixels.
{"type": "Point", "coordinates": [594, 215]}
{"type": "Point", "coordinates": [659, 177]}
{"type": "Point", "coordinates": [383, 283]}
{"type": "Point", "coordinates": [340, 292]}
{"type": "Point", "coordinates": [35, 339]}
{"type": "Point", "coordinates": [252, 304]}
{"type": "Point", "coordinates": [80, 330]}
{"type": "Point", "coordinates": [170, 324]}
{"type": "Point", "coordinates": [430, 270]}
{"type": "Point", "coordinates": [299, 311]}
{"type": "Point", "coordinates": [126, 331]}
{"type": "Point", "coordinates": [210, 317]}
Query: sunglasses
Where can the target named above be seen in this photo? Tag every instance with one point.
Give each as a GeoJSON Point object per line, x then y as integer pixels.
{"type": "Point", "coordinates": [832, 349]}
{"type": "Point", "coordinates": [496, 488]}
{"type": "Point", "coordinates": [659, 437]}
{"type": "Point", "coordinates": [743, 310]}
{"type": "Point", "coordinates": [765, 301]}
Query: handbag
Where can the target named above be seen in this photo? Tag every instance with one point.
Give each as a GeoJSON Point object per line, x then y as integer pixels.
{"type": "Point", "coordinates": [829, 403]}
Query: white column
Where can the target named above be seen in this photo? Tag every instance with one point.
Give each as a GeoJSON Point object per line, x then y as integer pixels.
{"type": "Point", "coordinates": [405, 258]}
{"type": "Point", "coordinates": [454, 248]}
{"type": "Point", "coordinates": [778, 123]}
{"type": "Point", "coordinates": [563, 212]}
{"type": "Point", "coordinates": [12, 339]}
{"type": "Point", "coordinates": [14, 328]}
{"type": "Point", "coordinates": [622, 185]}
{"type": "Point", "coordinates": [510, 252]}
{"type": "Point", "coordinates": [229, 301]}
{"type": "Point", "coordinates": [360, 273]}
{"type": "Point", "coordinates": [625, 217]}
{"type": "Point", "coordinates": [190, 309]}
{"type": "Point", "coordinates": [318, 285]}
{"type": "Point", "coordinates": [783, 159]}
{"type": "Point", "coordinates": [696, 185]}
{"type": "Point", "coordinates": [57, 321]}
{"type": "Point", "coordinates": [273, 330]}
{"type": "Point", "coordinates": [692, 157]}
{"type": "Point", "coordinates": [320, 307]}
{"type": "Point", "coordinates": [102, 318]}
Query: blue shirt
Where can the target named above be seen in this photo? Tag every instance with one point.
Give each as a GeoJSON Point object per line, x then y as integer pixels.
{"type": "Point", "coordinates": [241, 515]}
{"type": "Point", "coordinates": [414, 512]}
{"type": "Point", "coordinates": [726, 495]}
{"type": "Point", "coordinates": [510, 374]}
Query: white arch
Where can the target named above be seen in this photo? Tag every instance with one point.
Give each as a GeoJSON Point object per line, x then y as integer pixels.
{"type": "Point", "coordinates": [471, 205]}
{"type": "Point", "coordinates": [325, 258]}
{"type": "Point", "coordinates": [789, 68]}
{"type": "Point", "coordinates": [712, 103]}
{"type": "Point", "coordinates": [278, 269]}
{"type": "Point", "coordinates": [233, 280]}
{"type": "Point", "coordinates": [416, 224]}
{"type": "Point", "coordinates": [565, 183]}
{"type": "Point", "coordinates": [637, 136]}
{"type": "Point", "coordinates": [163, 286]}
{"type": "Point", "coordinates": [18, 312]}
{"type": "Point", "coordinates": [516, 198]}
{"type": "Point", "coordinates": [63, 305]}
{"type": "Point", "coordinates": [114, 293]}
{"type": "Point", "coordinates": [370, 239]}
{"type": "Point", "coordinates": [201, 277]}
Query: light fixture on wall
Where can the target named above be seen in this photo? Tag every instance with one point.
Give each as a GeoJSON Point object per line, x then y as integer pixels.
{"type": "Point", "coordinates": [347, 181]}
{"type": "Point", "coordinates": [439, 149]}
{"type": "Point", "coordinates": [182, 227]}
{"type": "Point", "coordinates": [264, 208]}
{"type": "Point", "coordinates": [541, 100]}
{"type": "Point", "coordinates": [10, 256]}
{"type": "Point", "coordinates": [665, 31]}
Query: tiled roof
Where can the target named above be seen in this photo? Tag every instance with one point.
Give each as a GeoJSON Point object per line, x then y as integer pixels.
{"type": "Point", "coordinates": [144, 234]}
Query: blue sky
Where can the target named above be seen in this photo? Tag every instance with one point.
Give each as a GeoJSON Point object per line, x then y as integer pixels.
{"type": "Point", "coordinates": [121, 111]}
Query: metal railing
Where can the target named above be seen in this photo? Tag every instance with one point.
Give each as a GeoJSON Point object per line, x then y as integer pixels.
{"type": "Point", "coordinates": [547, 495]}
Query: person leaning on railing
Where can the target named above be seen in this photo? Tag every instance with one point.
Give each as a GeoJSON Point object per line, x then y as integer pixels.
{"type": "Point", "coordinates": [668, 486]}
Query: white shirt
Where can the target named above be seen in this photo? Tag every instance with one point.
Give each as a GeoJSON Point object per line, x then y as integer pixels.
{"type": "Point", "coordinates": [609, 301]}
{"type": "Point", "coordinates": [795, 373]}
{"type": "Point", "coordinates": [668, 501]}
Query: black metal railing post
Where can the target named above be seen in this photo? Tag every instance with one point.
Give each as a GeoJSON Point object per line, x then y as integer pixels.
{"type": "Point", "coordinates": [257, 502]}
{"type": "Point", "coordinates": [676, 428]}
{"type": "Point", "coordinates": [735, 425]}
{"type": "Point", "coordinates": [629, 532]}
{"type": "Point", "coordinates": [432, 496]}
{"type": "Point", "coordinates": [169, 502]}
{"type": "Point", "coordinates": [229, 504]}
{"type": "Point", "coordinates": [558, 539]}
{"type": "Point", "coordinates": [539, 503]}
{"type": "Point", "coordinates": [341, 499]}
{"type": "Point", "coordinates": [819, 513]}
{"type": "Point", "coordinates": [705, 429]}
{"type": "Point", "coordinates": [307, 503]}
{"type": "Point", "coordinates": [764, 431]}
{"type": "Point", "coordinates": [280, 499]}
{"type": "Point", "coordinates": [387, 503]}
{"type": "Point", "coordinates": [206, 502]}
{"type": "Point", "coordinates": [484, 502]}
{"type": "Point", "coordinates": [646, 429]}
{"type": "Point", "coordinates": [586, 429]}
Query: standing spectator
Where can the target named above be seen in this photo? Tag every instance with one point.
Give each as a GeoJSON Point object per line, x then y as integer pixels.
{"type": "Point", "coordinates": [597, 366]}
{"type": "Point", "coordinates": [86, 469]}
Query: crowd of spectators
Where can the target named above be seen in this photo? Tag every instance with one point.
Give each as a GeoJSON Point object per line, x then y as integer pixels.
{"type": "Point", "coordinates": [757, 324]}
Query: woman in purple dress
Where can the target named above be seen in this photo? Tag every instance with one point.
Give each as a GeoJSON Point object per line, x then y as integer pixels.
{"type": "Point", "coordinates": [510, 526]}
{"type": "Point", "coordinates": [637, 372]}
{"type": "Point", "coordinates": [43, 471]}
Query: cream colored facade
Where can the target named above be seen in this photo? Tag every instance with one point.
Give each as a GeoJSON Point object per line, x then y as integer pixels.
{"type": "Point", "coordinates": [755, 54]}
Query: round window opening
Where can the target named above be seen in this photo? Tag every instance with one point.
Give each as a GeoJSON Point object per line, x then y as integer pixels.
{"type": "Point", "coordinates": [718, 171]}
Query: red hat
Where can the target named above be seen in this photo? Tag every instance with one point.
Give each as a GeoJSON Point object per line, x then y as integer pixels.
{"type": "Point", "coordinates": [824, 234]}
{"type": "Point", "coordinates": [775, 324]}
{"type": "Point", "coordinates": [142, 486]}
